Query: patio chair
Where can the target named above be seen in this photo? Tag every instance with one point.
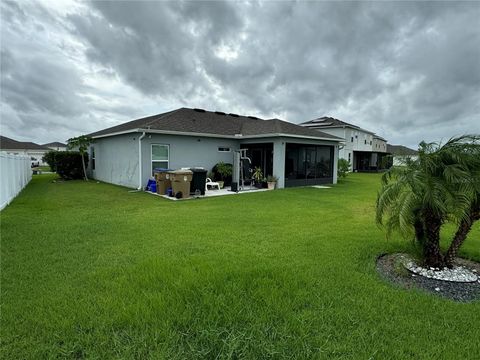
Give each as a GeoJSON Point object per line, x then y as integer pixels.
{"type": "Point", "coordinates": [211, 183]}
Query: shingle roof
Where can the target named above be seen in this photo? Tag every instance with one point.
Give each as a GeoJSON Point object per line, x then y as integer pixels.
{"type": "Point", "coordinates": [10, 144]}
{"type": "Point", "coordinates": [400, 150]}
{"type": "Point", "coordinates": [375, 136]}
{"type": "Point", "coordinates": [198, 121]}
{"type": "Point", "coordinates": [55, 144]}
{"type": "Point", "coordinates": [328, 121]}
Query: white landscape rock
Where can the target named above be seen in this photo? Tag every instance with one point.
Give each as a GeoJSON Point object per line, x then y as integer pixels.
{"type": "Point", "coordinates": [456, 274]}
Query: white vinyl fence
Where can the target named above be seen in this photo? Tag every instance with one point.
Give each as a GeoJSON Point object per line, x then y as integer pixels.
{"type": "Point", "coordinates": [15, 173]}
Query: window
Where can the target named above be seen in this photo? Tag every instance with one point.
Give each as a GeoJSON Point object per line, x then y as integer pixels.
{"type": "Point", "coordinates": [160, 156]}
{"type": "Point", "coordinates": [365, 142]}
{"type": "Point", "coordinates": [223, 149]}
{"type": "Point", "coordinates": [349, 157]}
{"type": "Point", "coordinates": [92, 150]}
{"type": "Point", "coordinates": [370, 142]}
{"type": "Point", "coordinates": [352, 139]}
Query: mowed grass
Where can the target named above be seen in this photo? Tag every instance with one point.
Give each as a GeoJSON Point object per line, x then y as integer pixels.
{"type": "Point", "coordinates": [89, 270]}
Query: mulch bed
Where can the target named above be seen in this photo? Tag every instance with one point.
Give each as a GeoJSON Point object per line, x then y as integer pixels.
{"type": "Point", "coordinates": [392, 269]}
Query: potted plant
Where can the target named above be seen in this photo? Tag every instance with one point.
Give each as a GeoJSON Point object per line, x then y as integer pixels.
{"type": "Point", "coordinates": [258, 176]}
{"type": "Point", "coordinates": [271, 181]}
{"type": "Point", "coordinates": [223, 170]}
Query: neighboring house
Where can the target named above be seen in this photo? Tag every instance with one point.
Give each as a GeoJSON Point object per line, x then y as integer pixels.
{"type": "Point", "coordinates": [57, 146]}
{"type": "Point", "coordinates": [364, 150]}
{"type": "Point", "coordinates": [401, 153]}
{"type": "Point", "coordinates": [34, 151]}
{"type": "Point", "coordinates": [127, 154]}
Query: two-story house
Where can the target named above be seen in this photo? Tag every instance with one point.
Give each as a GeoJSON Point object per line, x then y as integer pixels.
{"type": "Point", "coordinates": [364, 150]}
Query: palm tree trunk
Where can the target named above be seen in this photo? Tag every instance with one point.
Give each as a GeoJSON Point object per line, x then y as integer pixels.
{"type": "Point", "coordinates": [419, 231]}
{"type": "Point", "coordinates": [460, 236]}
{"type": "Point", "coordinates": [84, 170]}
{"type": "Point", "coordinates": [432, 255]}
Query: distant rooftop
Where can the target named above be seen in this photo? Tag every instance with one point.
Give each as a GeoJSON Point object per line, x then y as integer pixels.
{"type": "Point", "coordinates": [55, 144]}
{"type": "Point", "coordinates": [400, 150]}
{"type": "Point", "coordinates": [10, 144]}
{"type": "Point", "coordinates": [327, 122]}
{"type": "Point", "coordinates": [330, 122]}
{"type": "Point", "coordinates": [215, 123]}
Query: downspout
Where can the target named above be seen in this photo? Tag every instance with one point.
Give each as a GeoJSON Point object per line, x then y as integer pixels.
{"type": "Point", "coordinates": [140, 161]}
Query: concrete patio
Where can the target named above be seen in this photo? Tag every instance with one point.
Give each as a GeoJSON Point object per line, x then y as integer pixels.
{"type": "Point", "coordinates": [214, 192]}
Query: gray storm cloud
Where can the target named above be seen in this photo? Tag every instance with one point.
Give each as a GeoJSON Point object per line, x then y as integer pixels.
{"type": "Point", "coordinates": [407, 70]}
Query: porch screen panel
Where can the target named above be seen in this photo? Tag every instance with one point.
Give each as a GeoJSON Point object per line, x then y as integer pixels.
{"type": "Point", "coordinates": [291, 162]}
{"type": "Point", "coordinates": [324, 162]}
{"type": "Point", "coordinates": [308, 164]}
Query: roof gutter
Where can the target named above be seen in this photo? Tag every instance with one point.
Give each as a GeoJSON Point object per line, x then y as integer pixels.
{"type": "Point", "coordinates": [237, 136]}
{"type": "Point", "coordinates": [140, 160]}
{"type": "Point", "coordinates": [335, 138]}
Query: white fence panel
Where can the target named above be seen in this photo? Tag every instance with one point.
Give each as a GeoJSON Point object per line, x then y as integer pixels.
{"type": "Point", "coordinates": [15, 173]}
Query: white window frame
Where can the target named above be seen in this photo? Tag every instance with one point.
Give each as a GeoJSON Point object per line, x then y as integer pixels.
{"type": "Point", "coordinates": [151, 156]}
{"type": "Point", "coordinates": [224, 147]}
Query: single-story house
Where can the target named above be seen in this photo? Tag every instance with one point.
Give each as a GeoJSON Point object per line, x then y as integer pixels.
{"type": "Point", "coordinates": [57, 146]}
{"type": "Point", "coordinates": [400, 153]}
{"type": "Point", "coordinates": [126, 154]}
{"type": "Point", "coordinates": [33, 150]}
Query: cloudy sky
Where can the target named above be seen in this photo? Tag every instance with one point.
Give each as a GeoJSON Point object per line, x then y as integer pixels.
{"type": "Point", "coordinates": [409, 71]}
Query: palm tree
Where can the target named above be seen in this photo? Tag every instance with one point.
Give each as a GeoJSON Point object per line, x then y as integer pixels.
{"type": "Point", "coordinates": [464, 154]}
{"type": "Point", "coordinates": [81, 143]}
{"type": "Point", "coordinates": [418, 198]}
{"type": "Point", "coordinates": [413, 203]}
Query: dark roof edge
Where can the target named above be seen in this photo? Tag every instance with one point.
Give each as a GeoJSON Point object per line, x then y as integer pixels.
{"type": "Point", "coordinates": [143, 125]}
{"type": "Point", "coordinates": [55, 143]}
{"type": "Point", "coordinates": [125, 124]}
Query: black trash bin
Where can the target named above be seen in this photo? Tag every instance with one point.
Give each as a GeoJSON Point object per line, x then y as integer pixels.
{"type": "Point", "coordinates": [198, 180]}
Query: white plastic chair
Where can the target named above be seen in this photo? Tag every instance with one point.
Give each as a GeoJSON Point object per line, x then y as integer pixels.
{"type": "Point", "coordinates": [211, 183]}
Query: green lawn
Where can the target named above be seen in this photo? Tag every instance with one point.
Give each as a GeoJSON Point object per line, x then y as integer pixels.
{"type": "Point", "coordinates": [42, 168]}
{"type": "Point", "coordinates": [89, 270]}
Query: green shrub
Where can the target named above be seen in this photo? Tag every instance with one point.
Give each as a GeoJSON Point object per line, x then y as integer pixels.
{"type": "Point", "coordinates": [68, 164]}
{"type": "Point", "coordinates": [223, 172]}
{"type": "Point", "coordinates": [343, 168]}
{"type": "Point", "coordinates": [271, 178]}
{"type": "Point", "coordinates": [49, 158]}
